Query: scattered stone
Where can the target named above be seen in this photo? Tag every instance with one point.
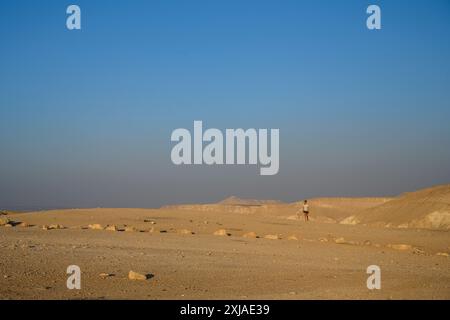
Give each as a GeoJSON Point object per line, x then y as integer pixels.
{"type": "Point", "coordinates": [323, 239]}
{"type": "Point", "coordinates": [400, 246]}
{"type": "Point", "coordinates": [24, 225]}
{"type": "Point", "coordinates": [52, 227]}
{"type": "Point", "coordinates": [8, 225]}
{"type": "Point", "coordinates": [292, 238]}
{"type": "Point", "coordinates": [340, 240]}
{"type": "Point", "coordinates": [132, 275]}
{"type": "Point", "coordinates": [221, 232]}
{"type": "Point", "coordinates": [130, 229]}
{"type": "Point", "coordinates": [106, 275]}
{"type": "Point", "coordinates": [350, 220]}
{"type": "Point", "coordinates": [12, 223]}
{"type": "Point", "coordinates": [4, 221]}
{"type": "Point", "coordinates": [251, 235]}
{"type": "Point", "coordinates": [43, 288]}
{"type": "Point", "coordinates": [443, 254]}
{"type": "Point", "coordinates": [367, 242]}
{"type": "Point", "coordinates": [418, 251]}
{"type": "Point", "coordinates": [271, 237]}
{"type": "Point", "coordinates": [95, 226]}
{"type": "Point", "coordinates": [185, 231]}
{"type": "Point", "coordinates": [150, 220]}
{"type": "Point", "coordinates": [112, 228]}
{"type": "Point", "coordinates": [162, 231]}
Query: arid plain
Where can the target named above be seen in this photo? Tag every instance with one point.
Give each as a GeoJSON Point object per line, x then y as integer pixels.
{"type": "Point", "coordinates": [234, 249]}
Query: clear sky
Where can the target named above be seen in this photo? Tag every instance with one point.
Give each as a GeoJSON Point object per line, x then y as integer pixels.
{"type": "Point", "coordinates": [86, 116]}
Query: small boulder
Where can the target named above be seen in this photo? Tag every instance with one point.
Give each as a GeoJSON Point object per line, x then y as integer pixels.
{"type": "Point", "coordinates": [24, 225]}
{"type": "Point", "coordinates": [400, 246]}
{"type": "Point", "coordinates": [95, 226]}
{"type": "Point", "coordinates": [56, 226]}
{"type": "Point", "coordinates": [132, 275]}
{"type": "Point", "coordinates": [112, 228]}
{"type": "Point", "coordinates": [271, 237]}
{"type": "Point", "coordinates": [292, 237]}
{"type": "Point", "coordinates": [251, 235]}
{"type": "Point", "coordinates": [105, 275]}
{"type": "Point", "coordinates": [443, 254]}
{"type": "Point", "coordinates": [185, 231]}
{"type": "Point", "coordinates": [4, 221]}
{"type": "Point", "coordinates": [221, 232]}
{"type": "Point", "coordinates": [52, 227]}
{"type": "Point", "coordinates": [130, 229]}
{"type": "Point", "coordinates": [340, 240]}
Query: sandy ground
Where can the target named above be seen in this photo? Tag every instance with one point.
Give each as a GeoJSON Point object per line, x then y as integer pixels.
{"type": "Point", "coordinates": [317, 265]}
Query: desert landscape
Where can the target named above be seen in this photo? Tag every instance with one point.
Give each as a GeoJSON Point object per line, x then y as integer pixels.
{"type": "Point", "coordinates": [234, 249]}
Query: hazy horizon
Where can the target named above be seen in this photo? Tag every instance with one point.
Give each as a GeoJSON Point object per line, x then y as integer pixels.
{"type": "Point", "coordinates": [49, 207]}
{"type": "Point", "coordinates": [86, 116]}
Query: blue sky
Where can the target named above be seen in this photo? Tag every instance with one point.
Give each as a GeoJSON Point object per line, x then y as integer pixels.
{"type": "Point", "coordinates": [86, 116]}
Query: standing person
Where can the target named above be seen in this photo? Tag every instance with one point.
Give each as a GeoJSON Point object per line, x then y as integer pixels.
{"type": "Point", "coordinates": [306, 210]}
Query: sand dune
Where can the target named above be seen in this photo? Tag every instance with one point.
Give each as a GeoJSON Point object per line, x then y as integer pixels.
{"type": "Point", "coordinates": [427, 208]}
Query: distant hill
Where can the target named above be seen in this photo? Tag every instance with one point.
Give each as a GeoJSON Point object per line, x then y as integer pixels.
{"type": "Point", "coordinates": [426, 208]}
{"type": "Point", "coordinates": [235, 201]}
{"type": "Point", "coordinates": [338, 209]}
{"type": "Point", "coordinates": [331, 210]}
